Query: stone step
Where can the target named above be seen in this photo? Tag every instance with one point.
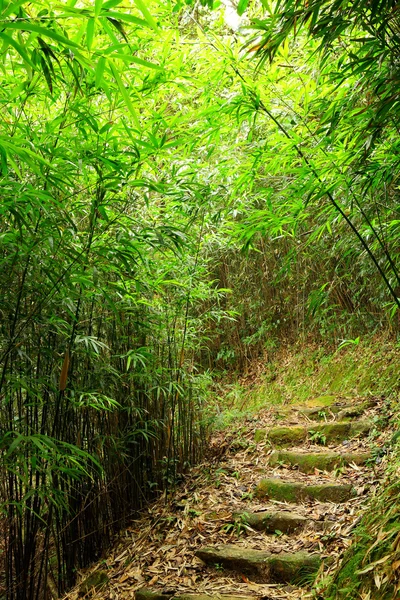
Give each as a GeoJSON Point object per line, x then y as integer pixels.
{"type": "Point", "coordinates": [307, 462]}
{"type": "Point", "coordinates": [356, 410]}
{"type": "Point", "coordinates": [295, 435]}
{"type": "Point", "coordinates": [295, 568]}
{"type": "Point", "coordinates": [272, 521]}
{"type": "Point", "coordinates": [147, 594]}
{"type": "Point", "coordinates": [343, 411]}
{"type": "Point", "coordinates": [284, 491]}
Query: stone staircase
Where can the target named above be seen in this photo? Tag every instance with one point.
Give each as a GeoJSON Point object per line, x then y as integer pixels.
{"type": "Point", "coordinates": [304, 474]}
{"type": "Point", "coordinates": [290, 455]}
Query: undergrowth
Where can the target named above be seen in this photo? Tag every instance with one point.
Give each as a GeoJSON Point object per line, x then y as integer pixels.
{"type": "Point", "coordinates": [308, 373]}
{"type": "Point", "coordinates": [370, 567]}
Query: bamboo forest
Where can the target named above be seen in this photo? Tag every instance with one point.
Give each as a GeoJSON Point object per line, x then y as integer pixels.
{"type": "Point", "coordinates": [199, 299]}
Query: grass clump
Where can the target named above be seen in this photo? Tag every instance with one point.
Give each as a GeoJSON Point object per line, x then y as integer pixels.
{"type": "Point", "coordinates": [371, 566]}
{"type": "Point", "coordinates": [311, 378]}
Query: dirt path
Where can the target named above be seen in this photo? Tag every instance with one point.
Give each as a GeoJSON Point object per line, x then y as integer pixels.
{"type": "Point", "coordinates": [276, 508]}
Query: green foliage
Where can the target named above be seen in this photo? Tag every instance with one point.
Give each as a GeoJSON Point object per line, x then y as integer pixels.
{"type": "Point", "coordinates": [301, 376]}
{"type": "Point", "coordinates": [317, 437]}
{"type": "Point", "coordinates": [369, 566]}
{"type": "Point", "coordinates": [238, 526]}
{"type": "Point", "coordinates": [165, 213]}
{"type": "Point", "coordinates": [103, 219]}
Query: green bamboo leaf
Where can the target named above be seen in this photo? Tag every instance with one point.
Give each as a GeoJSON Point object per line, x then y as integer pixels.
{"type": "Point", "coordinates": [80, 33]}
{"type": "Point", "coordinates": [99, 71]}
{"type": "Point", "coordinates": [118, 26]}
{"type": "Point", "coordinates": [24, 152]}
{"type": "Point", "coordinates": [145, 12]}
{"type": "Point", "coordinates": [125, 95]}
{"type": "Point", "coordinates": [3, 161]}
{"type": "Point", "coordinates": [109, 30]}
{"type": "Point", "coordinates": [9, 40]}
{"type": "Point", "coordinates": [242, 7]}
{"type": "Point", "coordinates": [145, 63]}
{"type": "Point", "coordinates": [129, 58]}
{"type": "Point", "coordinates": [18, 440]}
{"type": "Point", "coordinates": [90, 32]}
{"type": "Point", "coordinates": [127, 18]}
{"type": "Point", "coordinates": [14, 166]}
{"type": "Point", "coordinates": [44, 31]}
{"type": "Point", "coordinates": [111, 4]}
{"type": "Point", "coordinates": [13, 8]}
{"type": "Point", "coordinates": [47, 74]}
{"type": "Point", "coordinates": [97, 7]}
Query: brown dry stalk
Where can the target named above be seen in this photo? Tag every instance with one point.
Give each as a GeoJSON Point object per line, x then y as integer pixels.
{"type": "Point", "coordinates": [64, 372]}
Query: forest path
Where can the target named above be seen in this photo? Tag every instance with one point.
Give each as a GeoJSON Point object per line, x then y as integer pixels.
{"type": "Point", "coordinates": [277, 505]}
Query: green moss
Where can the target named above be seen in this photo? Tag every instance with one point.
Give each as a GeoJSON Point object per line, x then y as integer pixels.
{"type": "Point", "coordinates": [259, 435]}
{"type": "Point", "coordinates": [320, 402]}
{"type": "Point", "coordinates": [330, 493]}
{"type": "Point", "coordinates": [346, 583]}
{"type": "Point", "coordinates": [277, 490]}
{"type": "Point", "coordinates": [147, 594]}
{"type": "Point", "coordinates": [295, 435]}
{"type": "Point", "coordinates": [324, 461]}
{"type": "Point", "coordinates": [95, 581]}
{"type": "Point", "coordinates": [296, 492]}
{"type": "Point", "coordinates": [270, 522]}
{"type": "Point", "coordinates": [375, 538]}
{"type": "Point", "coordinates": [275, 568]}
{"type": "Point", "coordinates": [339, 431]}
{"type": "Point", "coordinates": [297, 568]}
{"type": "Point", "coordinates": [287, 436]}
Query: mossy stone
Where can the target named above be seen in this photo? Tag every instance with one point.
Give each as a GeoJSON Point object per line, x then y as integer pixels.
{"type": "Point", "coordinates": [146, 594]}
{"type": "Point", "coordinates": [324, 461]}
{"type": "Point", "coordinates": [320, 402]}
{"type": "Point", "coordinates": [297, 492]}
{"type": "Point", "coordinates": [287, 436]}
{"type": "Point", "coordinates": [95, 582]}
{"type": "Point", "coordinates": [263, 566]}
{"type": "Point", "coordinates": [259, 435]}
{"type": "Point", "coordinates": [299, 568]}
{"type": "Point", "coordinates": [279, 490]}
{"type": "Point", "coordinates": [350, 412]}
{"type": "Point", "coordinates": [330, 492]}
{"type": "Point", "coordinates": [339, 431]}
{"type": "Point", "coordinates": [270, 522]}
{"type": "Point", "coordinates": [319, 413]}
{"type": "Point", "coordinates": [212, 597]}
{"type": "Point", "coordinates": [296, 434]}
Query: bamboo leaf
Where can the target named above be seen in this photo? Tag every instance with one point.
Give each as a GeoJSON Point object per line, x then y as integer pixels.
{"type": "Point", "coordinates": [3, 161]}
{"type": "Point", "coordinates": [90, 32]}
{"type": "Point", "coordinates": [47, 74]}
{"type": "Point", "coordinates": [118, 26]}
{"type": "Point", "coordinates": [129, 58]}
{"type": "Point", "coordinates": [100, 71]}
{"type": "Point", "coordinates": [9, 40]}
{"type": "Point", "coordinates": [119, 16]}
{"type": "Point", "coordinates": [97, 7]}
{"type": "Point", "coordinates": [242, 7]}
{"type": "Point", "coordinates": [125, 95]}
{"type": "Point", "coordinates": [44, 31]}
{"type": "Point", "coordinates": [111, 4]}
{"type": "Point", "coordinates": [147, 15]}
{"type": "Point", "coordinates": [19, 439]}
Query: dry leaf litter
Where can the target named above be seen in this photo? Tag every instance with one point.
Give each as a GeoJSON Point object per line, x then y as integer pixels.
{"type": "Point", "coordinates": [157, 550]}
